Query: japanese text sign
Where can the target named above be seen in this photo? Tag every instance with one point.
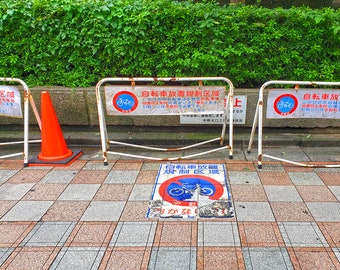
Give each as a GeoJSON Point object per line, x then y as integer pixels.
{"type": "Point", "coordinates": [191, 190]}
{"type": "Point", "coordinates": [303, 103]}
{"type": "Point", "coordinates": [239, 115]}
{"type": "Point", "coordinates": [164, 100]}
{"type": "Point", "coordinates": [10, 104]}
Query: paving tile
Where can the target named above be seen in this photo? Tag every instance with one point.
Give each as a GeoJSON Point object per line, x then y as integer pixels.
{"type": "Point", "coordinates": [244, 178]}
{"type": "Point", "coordinates": [92, 234]}
{"type": "Point", "coordinates": [325, 211]}
{"type": "Point", "coordinates": [4, 254]}
{"type": "Point", "coordinates": [337, 169]}
{"type": "Point", "coordinates": [260, 234]}
{"type": "Point", "coordinates": [305, 178]}
{"type": "Point", "coordinates": [164, 258]}
{"type": "Point", "coordinates": [134, 234]}
{"type": "Point", "coordinates": [313, 258]}
{"type": "Point", "coordinates": [275, 178]}
{"type": "Point", "coordinates": [30, 258]}
{"type": "Point", "coordinates": [176, 233]}
{"type": "Point", "coordinates": [89, 154]}
{"type": "Point", "coordinates": [330, 178]}
{"type": "Point", "coordinates": [97, 165]}
{"type": "Point", "coordinates": [130, 165]}
{"type": "Point", "coordinates": [331, 232]}
{"type": "Point", "coordinates": [337, 253]}
{"type": "Point", "coordinates": [253, 211]}
{"type": "Point", "coordinates": [271, 166]}
{"type": "Point", "coordinates": [6, 174]}
{"type": "Point", "coordinates": [12, 233]}
{"type": "Point", "coordinates": [326, 154]}
{"type": "Point", "coordinates": [141, 192]}
{"type": "Point", "coordinates": [121, 177]}
{"type": "Point", "coordinates": [48, 234]}
{"type": "Point", "coordinates": [240, 166]}
{"type": "Point", "coordinates": [103, 211]}
{"type": "Point", "coordinates": [291, 211]}
{"type": "Point", "coordinates": [44, 192]}
{"type": "Point", "coordinates": [28, 175]}
{"type": "Point", "coordinates": [76, 165]}
{"type": "Point", "coordinates": [66, 211]}
{"type": "Point", "coordinates": [5, 206]}
{"type": "Point", "coordinates": [219, 258]}
{"type": "Point", "coordinates": [59, 176]}
{"type": "Point", "coordinates": [263, 258]}
{"type": "Point", "coordinates": [90, 177]}
{"type": "Point", "coordinates": [79, 192]}
{"type": "Point", "coordinates": [282, 193]}
{"type": "Point", "coordinates": [290, 152]}
{"type": "Point", "coordinates": [11, 164]}
{"type": "Point", "coordinates": [316, 194]}
{"type": "Point", "coordinates": [14, 191]}
{"type": "Point", "coordinates": [27, 211]}
{"type": "Point", "coordinates": [78, 258]}
{"type": "Point", "coordinates": [248, 193]}
{"type": "Point", "coordinates": [336, 191]}
{"type": "Point", "coordinates": [218, 234]}
{"type": "Point", "coordinates": [135, 211]}
{"type": "Point", "coordinates": [293, 168]}
{"type": "Point", "coordinates": [113, 192]}
{"type": "Point", "coordinates": [146, 177]}
{"type": "Point", "coordinates": [151, 165]}
{"type": "Point", "coordinates": [126, 258]}
{"type": "Point", "coordinates": [302, 234]}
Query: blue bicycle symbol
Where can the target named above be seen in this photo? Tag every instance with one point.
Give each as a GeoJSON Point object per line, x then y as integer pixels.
{"type": "Point", "coordinates": [125, 102]}
{"type": "Point", "coordinates": [184, 189]}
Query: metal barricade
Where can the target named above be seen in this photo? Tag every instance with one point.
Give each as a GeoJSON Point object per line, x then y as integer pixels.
{"type": "Point", "coordinates": [284, 109]}
{"type": "Point", "coordinates": [126, 103]}
{"type": "Point", "coordinates": [27, 99]}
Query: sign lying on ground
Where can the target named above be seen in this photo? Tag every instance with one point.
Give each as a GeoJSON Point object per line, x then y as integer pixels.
{"type": "Point", "coordinates": [190, 190]}
{"type": "Point", "coordinates": [303, 103]}
{"type": "Point", "coordinates": [239, 115]}
{"type": "Point", "coordinates": [164, 100]}
{"type": "Point", "coordinates": [10, 104]}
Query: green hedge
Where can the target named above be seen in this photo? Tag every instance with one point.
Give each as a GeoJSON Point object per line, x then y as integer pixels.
{"type": "Point", "coordinates": [75, 43]}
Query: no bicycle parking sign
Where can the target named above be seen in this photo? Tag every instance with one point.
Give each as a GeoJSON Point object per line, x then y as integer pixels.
{"type": "Point", "coordinates": [189, 191]}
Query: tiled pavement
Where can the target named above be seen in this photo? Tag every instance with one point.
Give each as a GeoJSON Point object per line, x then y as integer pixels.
{"type": "Point", "coordinates": [90, 216]}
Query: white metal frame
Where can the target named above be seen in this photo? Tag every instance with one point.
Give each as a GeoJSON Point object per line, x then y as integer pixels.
{"type": "Point", "coordinates": [27, 99]}
{"type": "Point", "coordinates": [105, 142]}
{"type": "Point", "coordinates": [258, 119]}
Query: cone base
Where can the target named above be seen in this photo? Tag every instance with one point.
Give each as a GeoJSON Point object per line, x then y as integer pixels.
{"type": "Point", "coordinates": [35, 161]}
{"type": "Point", "coordinates": [55, 158]}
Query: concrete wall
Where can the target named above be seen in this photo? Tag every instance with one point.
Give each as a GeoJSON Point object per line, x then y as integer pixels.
{"type": "Point", "coordinates": [78, 107]}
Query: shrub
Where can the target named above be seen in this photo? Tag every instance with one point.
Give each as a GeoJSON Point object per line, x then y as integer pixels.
{"type": "Point", "coordinates": [76, 43]}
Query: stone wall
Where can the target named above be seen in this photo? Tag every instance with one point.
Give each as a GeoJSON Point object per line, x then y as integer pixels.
{"type": "Point", "coordinates": [77, 107]}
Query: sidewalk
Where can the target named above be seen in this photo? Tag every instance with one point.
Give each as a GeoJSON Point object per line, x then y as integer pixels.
{"type": "Point", "coordinates": [90, 216]}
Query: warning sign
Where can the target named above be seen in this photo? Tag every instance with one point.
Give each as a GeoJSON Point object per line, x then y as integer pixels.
{"type": "Point", "coordinates": [239, 115]}
{"type": "Point", "coordinates": [303, 103]}
{"type": "Point", "coordinates": [10, 104]}
{"type": "Point", "coordinates": [191, 190]}
{"type": "Point", "coordinates": [164, 100]}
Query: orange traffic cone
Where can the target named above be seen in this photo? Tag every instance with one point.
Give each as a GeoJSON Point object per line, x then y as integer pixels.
{"type": "Point", "coordinates": [54, 150]}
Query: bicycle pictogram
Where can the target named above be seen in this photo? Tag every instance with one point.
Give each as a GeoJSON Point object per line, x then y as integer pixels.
{"type": "Point", "coordinates": [125, 101]}
{"type": "Point", "coordinates": [180, 190]}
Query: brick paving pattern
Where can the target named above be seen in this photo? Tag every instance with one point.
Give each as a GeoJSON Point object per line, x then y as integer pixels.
{"type": "Point", "coordinates": [90, 216]}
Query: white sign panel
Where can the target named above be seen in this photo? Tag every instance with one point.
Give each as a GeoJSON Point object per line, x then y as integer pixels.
{"type": "Point", "coordinates": [239, 115]}
{"type": "Point", "coordinates": [191, 190]}
{"type": "Point", "coordinates": [10, 104]}
{"type": "Point", "coordinates": [164, 100]}
{"type": "Point", "coordinates": [303, 103]}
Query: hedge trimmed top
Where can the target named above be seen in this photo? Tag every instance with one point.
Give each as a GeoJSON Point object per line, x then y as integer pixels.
{"type": "Point", "coordinates": [76, 43]}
